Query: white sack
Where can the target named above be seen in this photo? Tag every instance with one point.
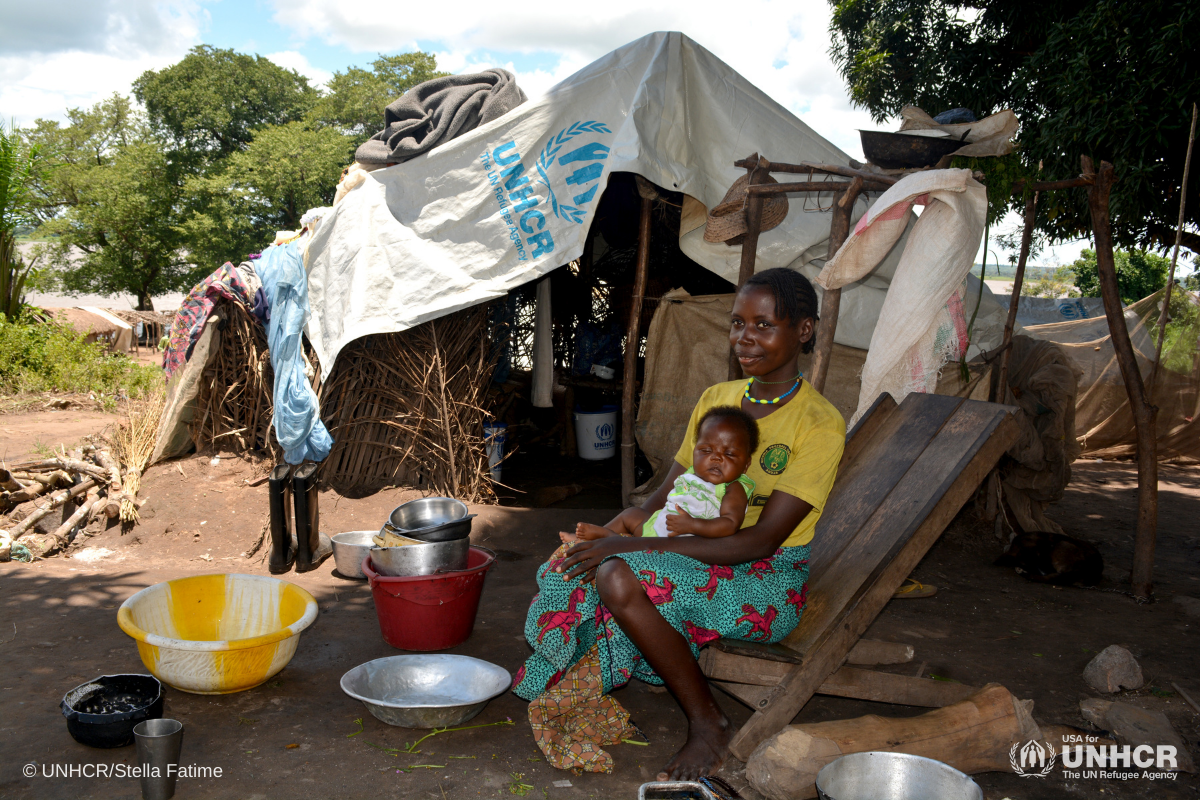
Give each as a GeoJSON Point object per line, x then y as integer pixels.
{"type": "Point", "coordinates": [926, 292]}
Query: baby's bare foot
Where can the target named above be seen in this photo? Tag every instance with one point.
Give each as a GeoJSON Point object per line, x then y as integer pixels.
{"type": "Point", "coordinates": [587, 531]}
{"type": "Point", "coordinates": [568, 538]}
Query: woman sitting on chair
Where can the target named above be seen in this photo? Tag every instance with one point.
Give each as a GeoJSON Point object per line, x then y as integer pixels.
{"type": "Point", "coordinates": [635, 606]}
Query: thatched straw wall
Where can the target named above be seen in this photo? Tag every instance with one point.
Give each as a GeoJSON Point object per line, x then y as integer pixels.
{"type": "Point", "coordinates": [403, 408]}
{"type": "Point", "coordinates": [406, 408]}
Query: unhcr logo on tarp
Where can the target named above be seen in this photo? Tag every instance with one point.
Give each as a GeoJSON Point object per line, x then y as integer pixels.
{"type": "Point", "coordinates": [570, 161]}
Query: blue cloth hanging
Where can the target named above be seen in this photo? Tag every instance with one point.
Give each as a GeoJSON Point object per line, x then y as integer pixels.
{"type": "Point", "coordinates": [298, 425]}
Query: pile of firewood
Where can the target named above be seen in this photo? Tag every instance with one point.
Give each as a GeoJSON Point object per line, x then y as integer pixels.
{"type": "Point", "coordinates": [89, 479]}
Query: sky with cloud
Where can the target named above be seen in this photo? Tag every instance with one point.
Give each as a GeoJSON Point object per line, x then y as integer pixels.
{"type": "Point", "coordinates": [71, 53]}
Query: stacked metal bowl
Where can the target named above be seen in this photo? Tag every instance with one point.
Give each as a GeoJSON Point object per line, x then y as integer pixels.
{"type": "Point", "coordinates": [436, 534]}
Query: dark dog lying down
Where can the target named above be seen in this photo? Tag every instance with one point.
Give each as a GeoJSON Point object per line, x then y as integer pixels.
{"type": "Point", "coordinates": [1054, 558]}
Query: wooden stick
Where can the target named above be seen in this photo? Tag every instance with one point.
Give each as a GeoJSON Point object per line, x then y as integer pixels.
{"type": "Point", "coordinates": [1050, 186]}
{"type": "Point", "coordinates": [47, 544]}
{"type": "Point", "coordinates": [1144, 414]}
{"type": "Point", "coordinates": [25, 525]}
{"type": "Point", "coordinates": [804, 186]}
{"type": "Point", "coordinates": [9, 483]}
{"type": "Point", "coordinates": [758, 172]}
{"type": "Point", "coordinates": [831, 301]}
{"type": "Point", "coordinates": [64, 463]}
{"type": "Point", "coordinates": [1186, 696]}
{"type": "Point", "coordinates": [632, 335]}
{"type": "Point", "coordinates": [1166, 306]}
{"type": "Point", "coordinates": [112, 505]}
{"type": "Point", "coordinates": [806, 167]}
{"type": "Point", "coordinates": [1011, 320]}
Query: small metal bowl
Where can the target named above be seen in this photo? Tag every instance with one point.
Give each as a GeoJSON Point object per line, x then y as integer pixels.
{"type": "Point", "coordinates": [425, 691]}
{"type": "Point", "coordinates": [431, 519]}
{"type": "Point", "coordinates": [878, 775]}
{"type": "Point", "coordinates": [349, 550]}
{"type": "Point", "coordinates": [419, 558]}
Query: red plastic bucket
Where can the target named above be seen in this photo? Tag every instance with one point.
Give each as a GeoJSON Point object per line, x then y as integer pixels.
{"type": "Point", "coordinates": [429, 612]}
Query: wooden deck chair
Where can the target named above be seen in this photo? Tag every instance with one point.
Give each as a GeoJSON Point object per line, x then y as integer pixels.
{"type": "Point", "coordinates": [905, 473]}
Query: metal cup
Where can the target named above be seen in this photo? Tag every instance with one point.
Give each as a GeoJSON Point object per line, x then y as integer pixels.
{"type": "Point", "coordinates": [158, 744]}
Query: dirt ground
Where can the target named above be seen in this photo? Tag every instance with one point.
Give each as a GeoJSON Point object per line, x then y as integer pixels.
{"type": "Point", "coordinates": [58, 629]}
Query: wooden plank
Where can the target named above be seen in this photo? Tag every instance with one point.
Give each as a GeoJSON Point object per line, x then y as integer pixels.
{"type": "Point", "coordinates": [871, 652]}
{"type": "Point", "coordinates": [866, 653]}
{"type": "Point", "coordinates": [903, 690]}
{"type": "Point", "coordinates": [841, 556]}
{"type": "Point", "coordinates": [827, 651]}
{"type": "Point", "coordinates": [893, 523]}
{"type": "Point", "coordinates": [896, 446]}
{"type": "Point", "coordinates": [864, 431]}
{"type": "Point", "coordinates": [753, 682]}
{"type": "Point", "coordinates": [749, 694]}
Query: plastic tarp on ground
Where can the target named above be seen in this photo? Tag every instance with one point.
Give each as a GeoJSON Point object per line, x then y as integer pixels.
{"type": "Point", "coordinates": [512, 200]}
{"type": "Point", "coordinates": [1103, 419]}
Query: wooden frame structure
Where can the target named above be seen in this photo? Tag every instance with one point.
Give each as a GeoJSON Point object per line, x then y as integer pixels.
{"type": "Point", "coordinates": [1098, 184]}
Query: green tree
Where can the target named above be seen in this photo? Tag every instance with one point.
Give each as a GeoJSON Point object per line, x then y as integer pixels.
{"type": "Point", "coordinates": [1140, 273]}
{"type": "Point", "coordinates": [1192, 281]}
{"type": "Point", "coordinates": [1059, 283]}
{"type": "Point", "coordinates": [209, 104]}
{"type": "Point", "coordinates": [1109, 79]}
{"type": "Point", "coordinates": [110, 205]}
{"type": "Point", "coordinates": [21, 165]}
{"type": "Point", "coordinates": [285, 171]}
{"type": "Point", "coordinates": [356, 98]}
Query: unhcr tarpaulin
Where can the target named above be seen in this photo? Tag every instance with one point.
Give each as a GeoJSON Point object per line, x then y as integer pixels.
{"type": "Point", "coordinates": [512, 200]}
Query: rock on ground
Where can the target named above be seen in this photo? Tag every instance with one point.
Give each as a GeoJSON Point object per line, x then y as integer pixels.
{"type": "Point", "coordinates": [1135, 726]}
{"type": "Point", "coordinates": [1113, 669]}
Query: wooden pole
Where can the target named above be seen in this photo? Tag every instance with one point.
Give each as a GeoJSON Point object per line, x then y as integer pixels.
{"type": "Point", "coordinates": [1166, 306]}
{"type": "Point", "coordinates": [632, 335]}
{"type": "Point", "coordinates": [1144, 414]}
{"type": "Point", "coordinates": [757, 169]}
{"type": "Point", "coordinates": [1011, 321]}
{"type": "Point", "coordinates": [831, 301]}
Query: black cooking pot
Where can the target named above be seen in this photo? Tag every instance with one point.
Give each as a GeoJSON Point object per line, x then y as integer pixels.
{"type": "Point", "coordinates": [102, 712]}
{"type": "Point", "coordinates": [906, 151]}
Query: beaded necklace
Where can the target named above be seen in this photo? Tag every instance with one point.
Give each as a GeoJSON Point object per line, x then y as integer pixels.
{"type": "Point", "coordinates": [781, 397]}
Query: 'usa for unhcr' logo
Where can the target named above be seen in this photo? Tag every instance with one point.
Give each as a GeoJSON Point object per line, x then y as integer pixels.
{"type": "Point", "coordinates": [570, 163]}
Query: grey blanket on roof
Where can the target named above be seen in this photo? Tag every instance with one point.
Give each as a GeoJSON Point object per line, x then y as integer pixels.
{"type": "Point", "coordinates": [437, 111]}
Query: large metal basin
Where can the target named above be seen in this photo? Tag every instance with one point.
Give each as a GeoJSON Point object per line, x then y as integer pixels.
{"type": "Point", "coordinates": [425, 691]}
{"type": "Point", "coordinates": [349, 550]}
{"type": "Point", "coordinates": [893, 776]}
{"type": "Point", "coordinates": [420, 558]}
{"type": "Point", "coordinates": [431, 519]}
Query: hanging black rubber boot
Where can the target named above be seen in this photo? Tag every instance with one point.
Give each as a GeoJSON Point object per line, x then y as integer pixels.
{"type": "Point", "coordinates": [283, 540]}
{"type": "Point", "coordinates": [313, 546]}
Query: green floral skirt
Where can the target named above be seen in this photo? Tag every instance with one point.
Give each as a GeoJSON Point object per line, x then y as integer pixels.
{"type": "Point", "coordinates": [759, 601]}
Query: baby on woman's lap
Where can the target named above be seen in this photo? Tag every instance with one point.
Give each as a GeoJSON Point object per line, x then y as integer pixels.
{"type": "Point", "coordinates": [700, 503]}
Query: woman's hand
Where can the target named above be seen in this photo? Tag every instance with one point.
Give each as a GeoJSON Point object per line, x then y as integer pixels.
{"type": "Point", "coordinates": [585, 557]}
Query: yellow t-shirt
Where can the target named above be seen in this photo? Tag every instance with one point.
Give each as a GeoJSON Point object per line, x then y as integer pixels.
{"type": "Point", "coordinates": [799, 447]}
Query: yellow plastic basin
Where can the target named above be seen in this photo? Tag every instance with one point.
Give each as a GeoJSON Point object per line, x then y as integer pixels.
{"type": "Point", "coordinates": [217, 634]}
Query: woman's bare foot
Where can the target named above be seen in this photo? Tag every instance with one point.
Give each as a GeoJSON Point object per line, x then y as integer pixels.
{"type": "Point", "coordinates": [705, 751]}
{"type": "Point", "coordinates": [587, 532]}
